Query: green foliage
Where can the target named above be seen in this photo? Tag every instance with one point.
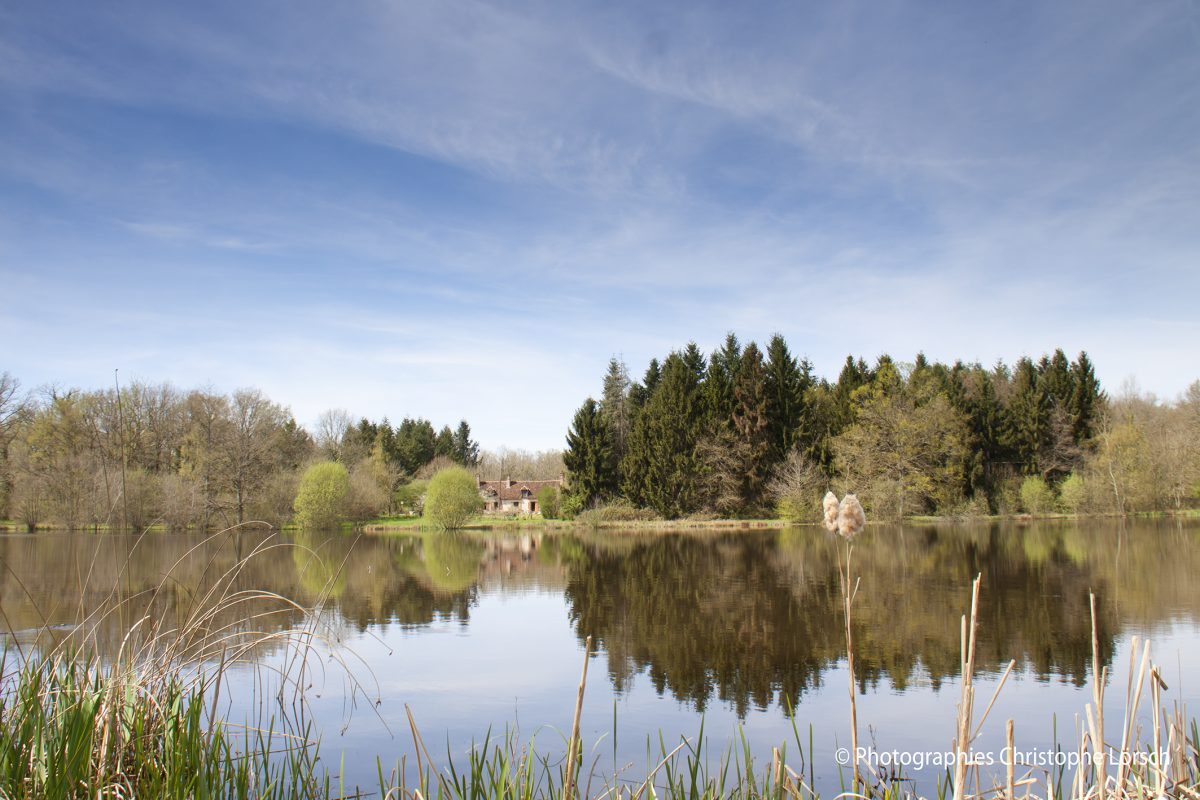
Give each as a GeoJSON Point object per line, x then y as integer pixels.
{"type": "Point", "coordinates": [571, 505]}
{"type": "Point", "coordinates": [1028, 414]}
{"type": "Point", "coordinates": [616, 407]}
{"type": "Point", "coordinates": [901, 457]}
{"type": "Point", "coordinates": [1036, 495]}
{"type": "Point", "coordinates": [410, 498]}
{"type": "Point", "coordinates": [616, 511]}
{"type": "Point", "coordinates": [70, 729]}
{"type": "Point", "coordinates": [752, 422]}
{"type": "Point", "coordinates": [788, 384]}
{"type": "Point", "coordinates": [549, 502]}
{"type": "Point", "coordinates": [465, 449]}
{"type": "Point", "coordinates": [452, 498]}
{"type": "Point", "coordinates": [707, 436]}
{"type": "Point", "coordinates": [323, 494]}
{"type": "Point", "coordinates": [1073, 493]}
{"type": "Point", "coordinates": [589, 459]}
{"type": "Point", "coordinates": [719, 381]}
{"type": "Point", "coordinates": [660, 467]}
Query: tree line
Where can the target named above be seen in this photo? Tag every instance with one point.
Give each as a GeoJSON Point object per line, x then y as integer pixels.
{"type": "Point", "coordinates": [151, 453]}
{"type": "Point", "coordinates": [743, 432]}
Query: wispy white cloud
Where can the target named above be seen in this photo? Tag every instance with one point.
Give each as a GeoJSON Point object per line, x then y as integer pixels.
{"type": "Point", "coordinates": [384, 206]}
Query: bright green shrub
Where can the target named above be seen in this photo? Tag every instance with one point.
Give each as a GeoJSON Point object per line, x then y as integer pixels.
{"type": "Point", "coordinates": [452, 498]}
{"type": "Point", "coordinates": [1036, 496]}
{"type": "Point", "coordinates": [1073, 493]}
{"type": "Point", "coordinates": [549, 502]}
{"type": "Point", "coordinates": [321, 501]}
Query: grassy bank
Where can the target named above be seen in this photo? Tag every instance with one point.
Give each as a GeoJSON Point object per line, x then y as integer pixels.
{"type": "Point", "coordinates": [386, 524]}
{"type": "Point", "coordinates": [71, 728]}
{"type": "Point", "coordinates": [498, 522]}
{"type": "Point", "coordinates": [487, 523]}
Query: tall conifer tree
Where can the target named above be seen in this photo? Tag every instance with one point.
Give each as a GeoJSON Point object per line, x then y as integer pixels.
{"type": "Point", "coordinates": [719, 381]}
{"type": "Point", "coordinates": [615, 406]}
{"type": "Point", "coordinates": [660, 462]}
{"type": "Point", "coordinates": [1028, 415]}
{"type": "Point", "coordinates": [787, 386]}
{"type": "Point", "coordinates": [589, 456]}
{"type": "Point", "coordinates": [752, 423]}
{"type": "Point", "coordinates": [1086, 398]}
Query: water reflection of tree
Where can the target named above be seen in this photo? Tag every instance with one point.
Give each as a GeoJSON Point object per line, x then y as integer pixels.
{"type": "Point", "coordinates": [744, 618]}
{"type": "Point", "coordinates": [751, 618]}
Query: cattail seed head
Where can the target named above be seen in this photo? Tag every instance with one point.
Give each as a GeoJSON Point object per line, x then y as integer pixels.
{"type": "Point", "coordinates": [850, 517]}
{"type": "Point", "coordinates": [830, 504]}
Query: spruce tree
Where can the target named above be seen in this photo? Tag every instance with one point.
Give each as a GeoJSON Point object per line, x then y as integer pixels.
{"type": "Point", "coordinates": [752, 424]}
{"type": "Point", "coordinates": [1056, 379]}
{"type": "Point", "coordinates": [694, 360]}
{"type": "Point", "coordinates": [1028, 415]}
{"type": "Point", "coordinates": [615, 405]}
{"type": "Point", "coordinates": [466, 451]}
{"type": "Point", "coordinates": [660, 462]}
{"type": "Point", "coordinates": [787, 385]}
{"type": "Point", "coordinates": [985, 418]}
{"type": "Point", "coordinates": [719, 381]}
{"type": "Point", "coordinates": [853, 375]}
{"type": "Point", "coordinates": [1086, 398]}
{"type": "Point", "coordinates": [444, 444]}
{"type": "Point", "coordinates": [591, 469]}
{"type": "Point", "coordinates": [651, 379]}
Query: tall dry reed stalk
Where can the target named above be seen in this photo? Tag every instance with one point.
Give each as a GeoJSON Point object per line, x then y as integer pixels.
{"type": "Point", "coordinates": [847, 519]}
{"type": "Point", "coordinates": [1160, 768]}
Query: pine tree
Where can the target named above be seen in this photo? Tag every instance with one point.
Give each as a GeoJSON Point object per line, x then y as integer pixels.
{"type": "Point", "coordinates": [588, 458]}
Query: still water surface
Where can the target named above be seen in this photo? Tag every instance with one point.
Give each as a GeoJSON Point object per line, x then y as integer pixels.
{"type": "Point", "coordinates": [483, 630]}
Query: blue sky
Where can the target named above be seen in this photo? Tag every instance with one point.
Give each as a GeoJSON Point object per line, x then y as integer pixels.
{"type": "Point", "coordinates": [463, 209]}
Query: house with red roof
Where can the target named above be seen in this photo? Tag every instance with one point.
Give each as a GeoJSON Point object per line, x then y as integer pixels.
{"type": "Point", "coordinates": [512, 497]}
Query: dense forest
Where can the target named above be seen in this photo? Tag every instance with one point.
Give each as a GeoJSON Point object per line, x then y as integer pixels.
{"type": "Point", "coordinates": [151, 453]}
{"type": "Point", "coordinates": [748, 433]}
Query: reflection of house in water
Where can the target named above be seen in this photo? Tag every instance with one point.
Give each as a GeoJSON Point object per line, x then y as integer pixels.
{"type": "Point", "coordinates": [517, 562]}
{"type": "Point", "coordinates": [512, 497]}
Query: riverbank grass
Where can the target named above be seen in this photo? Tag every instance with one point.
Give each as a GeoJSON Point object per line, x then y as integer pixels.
{"type": "Point", "coordinates": [69, 728]}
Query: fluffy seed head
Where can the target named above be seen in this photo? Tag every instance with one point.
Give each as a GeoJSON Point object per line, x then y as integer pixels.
{"type": "Point", "coordinates": [850, 517]}
{"type": "Point", "coordinates": [830, 504]}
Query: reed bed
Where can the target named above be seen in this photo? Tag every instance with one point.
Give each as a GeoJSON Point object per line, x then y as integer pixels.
{"type": "Point", "coordinates": [78, 720]}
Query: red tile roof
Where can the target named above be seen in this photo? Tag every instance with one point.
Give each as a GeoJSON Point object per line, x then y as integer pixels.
{"type": "Point", "coordinates": [503, 491]}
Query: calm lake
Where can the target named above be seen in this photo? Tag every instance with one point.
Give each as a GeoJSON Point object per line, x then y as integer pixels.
{"type": "Point", "coordinates": [482, 630]}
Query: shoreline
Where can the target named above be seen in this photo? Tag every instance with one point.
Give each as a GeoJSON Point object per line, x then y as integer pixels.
{"type": "Point", "coordinates": [414, 524]}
